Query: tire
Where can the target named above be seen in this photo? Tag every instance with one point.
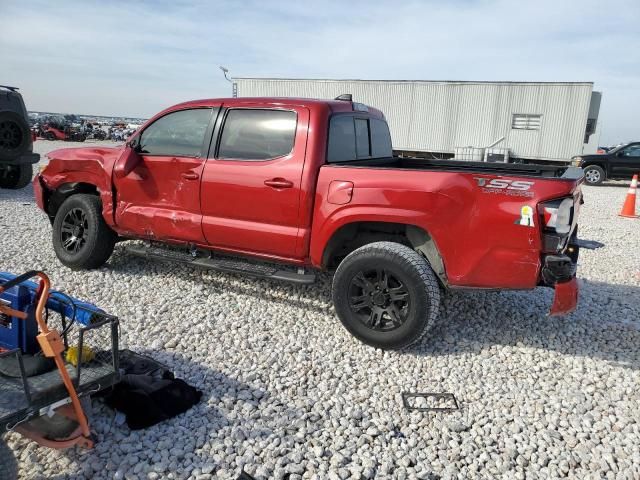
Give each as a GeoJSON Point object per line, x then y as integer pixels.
{"type": "Point", "coordinates": [8, 464]}
{"type": "Point", "coordinates": [15, 177]}
{"type": "Point", "coordinates": [594, 175]}
{"type": "Point", "coordinates": [15, 136]}
{"type": "Point", "coordinates": [402, 271]}
{"type": "Point", "coordinates": [50, 136]}
{"type": "Point", "coordinates": [81, 238]}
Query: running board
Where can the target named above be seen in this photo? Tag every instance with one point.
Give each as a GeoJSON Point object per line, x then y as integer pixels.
{"type": "Point", "coordinates": [222, 264]}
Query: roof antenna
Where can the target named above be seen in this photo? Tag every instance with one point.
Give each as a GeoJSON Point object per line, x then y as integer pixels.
{"type": "Point", "coordinates": [345, 97]}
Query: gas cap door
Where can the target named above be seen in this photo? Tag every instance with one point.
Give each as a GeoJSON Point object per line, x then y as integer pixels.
{"type": "Point", "coordinates": [340, 192]}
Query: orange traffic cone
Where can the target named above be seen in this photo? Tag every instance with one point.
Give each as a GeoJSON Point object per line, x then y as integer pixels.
{"type": "Point", "coordinates": [629, 207]}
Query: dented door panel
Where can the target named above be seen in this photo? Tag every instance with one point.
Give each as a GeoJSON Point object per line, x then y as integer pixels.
{"type": "Point", "coordinates": [160, 199]}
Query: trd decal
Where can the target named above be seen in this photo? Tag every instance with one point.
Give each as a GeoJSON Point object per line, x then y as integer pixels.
{"type": "Point", "coordinates": [516, 188]}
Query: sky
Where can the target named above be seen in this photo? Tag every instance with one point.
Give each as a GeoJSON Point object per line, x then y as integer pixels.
{"type": "Point", "coordinates": [134, 58]}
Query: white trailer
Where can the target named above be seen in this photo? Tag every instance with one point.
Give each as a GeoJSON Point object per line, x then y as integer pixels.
{"type": "Point", "coordinates": [535, 121]}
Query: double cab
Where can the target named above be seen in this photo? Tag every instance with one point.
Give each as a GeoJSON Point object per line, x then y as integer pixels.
{"type": "Point", "coordinates": [283, 187]}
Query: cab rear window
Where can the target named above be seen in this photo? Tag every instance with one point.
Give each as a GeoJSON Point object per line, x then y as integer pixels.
{"type": "Point", "coordinates": [357, 138]}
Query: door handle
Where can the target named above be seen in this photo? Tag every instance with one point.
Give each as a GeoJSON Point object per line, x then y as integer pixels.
{"type": "Point", "coordinates": [190, 175]}
{"type": "Point", "coordinates": [278, 183]}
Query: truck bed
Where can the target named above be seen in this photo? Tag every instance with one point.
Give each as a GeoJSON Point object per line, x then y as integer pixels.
{"type": "Point", "coordinates": [508, 169]}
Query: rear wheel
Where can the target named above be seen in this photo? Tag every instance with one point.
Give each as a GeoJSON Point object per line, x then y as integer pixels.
{"type": "Point", "coordinates": [594, 175]}
{"type": "Point", "coordinates": [81, 238]}
{"type": "Point", "coordinates": [15, 177]}
{"type": "Point", "coordinates": [386, 295]}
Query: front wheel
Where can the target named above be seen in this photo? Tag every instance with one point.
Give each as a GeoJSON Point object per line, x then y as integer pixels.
{"type": "Point", "coordinates": [386, 295]}
{"type": "Point", "coordinates": [594, 175]}
{"type": "Point", "coordinates": [81, 238]}
{"type": "Point", "coordinates": [15, 177]}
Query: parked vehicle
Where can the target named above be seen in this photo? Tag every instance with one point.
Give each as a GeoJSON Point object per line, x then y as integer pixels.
{"type": "Point", "coordinates": [98, 134]}
{"type": "Point", "coordinates": [313, 184]}
{"type": "Point", "coordinates": [16, 141]}
{"type": "Point", "coordinates": [62, 132]}
{"type": "Point", "coordinates": [619, 163]}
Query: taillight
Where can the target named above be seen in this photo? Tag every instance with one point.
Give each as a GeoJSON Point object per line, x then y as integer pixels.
{"type": "Point", "coordinates": [557, 218]}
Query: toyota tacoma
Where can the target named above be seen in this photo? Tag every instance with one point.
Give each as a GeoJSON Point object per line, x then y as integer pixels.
{"type": "Point", "coordinates": [283, 187]}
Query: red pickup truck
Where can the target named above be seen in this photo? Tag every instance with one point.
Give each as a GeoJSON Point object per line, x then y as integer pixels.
{"type": "Point", "coordinates": [279, 187]}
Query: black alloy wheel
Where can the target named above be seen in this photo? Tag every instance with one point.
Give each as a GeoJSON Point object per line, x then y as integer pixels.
{"type": "Point", "coordinates": [74, 231]}
{"type": "Point", "coordinates": [81, 237]}
{"type": "Point", "coordinates": [379, 299]}
{"type": "Point", "coordinates": [386, 295]}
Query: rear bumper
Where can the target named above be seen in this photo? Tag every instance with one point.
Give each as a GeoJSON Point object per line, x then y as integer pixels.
{"type": "Point", "coordinates": [565, 299]}
{"type": "Point", "coordinates": [559, 272]}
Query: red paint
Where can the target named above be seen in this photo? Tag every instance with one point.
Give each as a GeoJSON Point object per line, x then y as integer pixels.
{"type": "Point", "coordinates": [255, 206]}
{"type": "Point", "coordinates": [340, 192]}
{"type": "Point", "coordinates": [288, 208]}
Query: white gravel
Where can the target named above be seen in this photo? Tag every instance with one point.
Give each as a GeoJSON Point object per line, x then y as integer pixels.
{"type": "Point", "coordinates": [287, 389]}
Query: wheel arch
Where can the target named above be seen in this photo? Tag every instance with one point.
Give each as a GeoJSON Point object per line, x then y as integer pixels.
{"type": "Point", "coordinates": [64, 191]}
{"type": "Point", "coordinates": [356, 234]}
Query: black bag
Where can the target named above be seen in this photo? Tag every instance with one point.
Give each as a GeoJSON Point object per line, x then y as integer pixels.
{"type": "Point", "coordinates": [146, 399]}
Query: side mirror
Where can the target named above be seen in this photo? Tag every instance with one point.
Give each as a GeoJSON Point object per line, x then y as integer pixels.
{"type": "Point", "coordinates": [129, 160]}
{"type": "Point", "coordinates": [134, 144]}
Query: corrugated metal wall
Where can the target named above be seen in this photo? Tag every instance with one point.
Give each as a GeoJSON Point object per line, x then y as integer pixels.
{"type": "Point", "coordinates": [439, 116]}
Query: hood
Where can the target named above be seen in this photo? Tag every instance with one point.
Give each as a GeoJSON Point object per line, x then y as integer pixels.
{"type": "Point", "coordinates": [594, 156]}
{"type": "Point", "coordinates": [92, 161]}
{"type": "Point", "coordinates": [85, 153]}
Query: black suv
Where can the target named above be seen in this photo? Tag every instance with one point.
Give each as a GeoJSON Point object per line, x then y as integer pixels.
{"type": "Point", "coordinates": [16, 144]}
{"type": "Point", "coordinates": [620, 163]}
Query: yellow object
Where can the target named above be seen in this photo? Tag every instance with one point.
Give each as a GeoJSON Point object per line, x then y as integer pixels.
{"type": "Point", "coordinates": [72, 355]}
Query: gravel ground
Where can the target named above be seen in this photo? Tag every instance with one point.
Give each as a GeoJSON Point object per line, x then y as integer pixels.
{"type": "Point", "coordinates": [287, 390]}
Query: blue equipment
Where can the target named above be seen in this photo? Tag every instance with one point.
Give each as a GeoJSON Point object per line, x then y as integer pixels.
{"type": "Point", "coordinates": [17, 333]}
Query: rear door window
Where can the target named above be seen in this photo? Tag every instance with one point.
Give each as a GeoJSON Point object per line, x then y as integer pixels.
{"type": "Point", "coordinates": [380, 139]}
{"type": "Point", "coordinates": [363, 147]}
{"type": "Point", "coordinates": [355, 138]}
{"type": "Point", "coordinates": [179, 134]}
{"type": "Point", "coordinates": [342, 139]}
{"type": "Point", "coordinates": [256, 134]}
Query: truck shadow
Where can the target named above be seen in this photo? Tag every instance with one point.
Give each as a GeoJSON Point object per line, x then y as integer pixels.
{"type": "Point", "coordinates": [605, 326]}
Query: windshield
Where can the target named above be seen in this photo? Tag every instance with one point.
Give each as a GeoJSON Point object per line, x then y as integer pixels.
{"type": "Point", "coordinates": [618, 148]}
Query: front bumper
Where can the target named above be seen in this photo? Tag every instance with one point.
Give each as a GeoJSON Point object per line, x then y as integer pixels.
{"type": "Point", "coordinates": [38, 192]}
